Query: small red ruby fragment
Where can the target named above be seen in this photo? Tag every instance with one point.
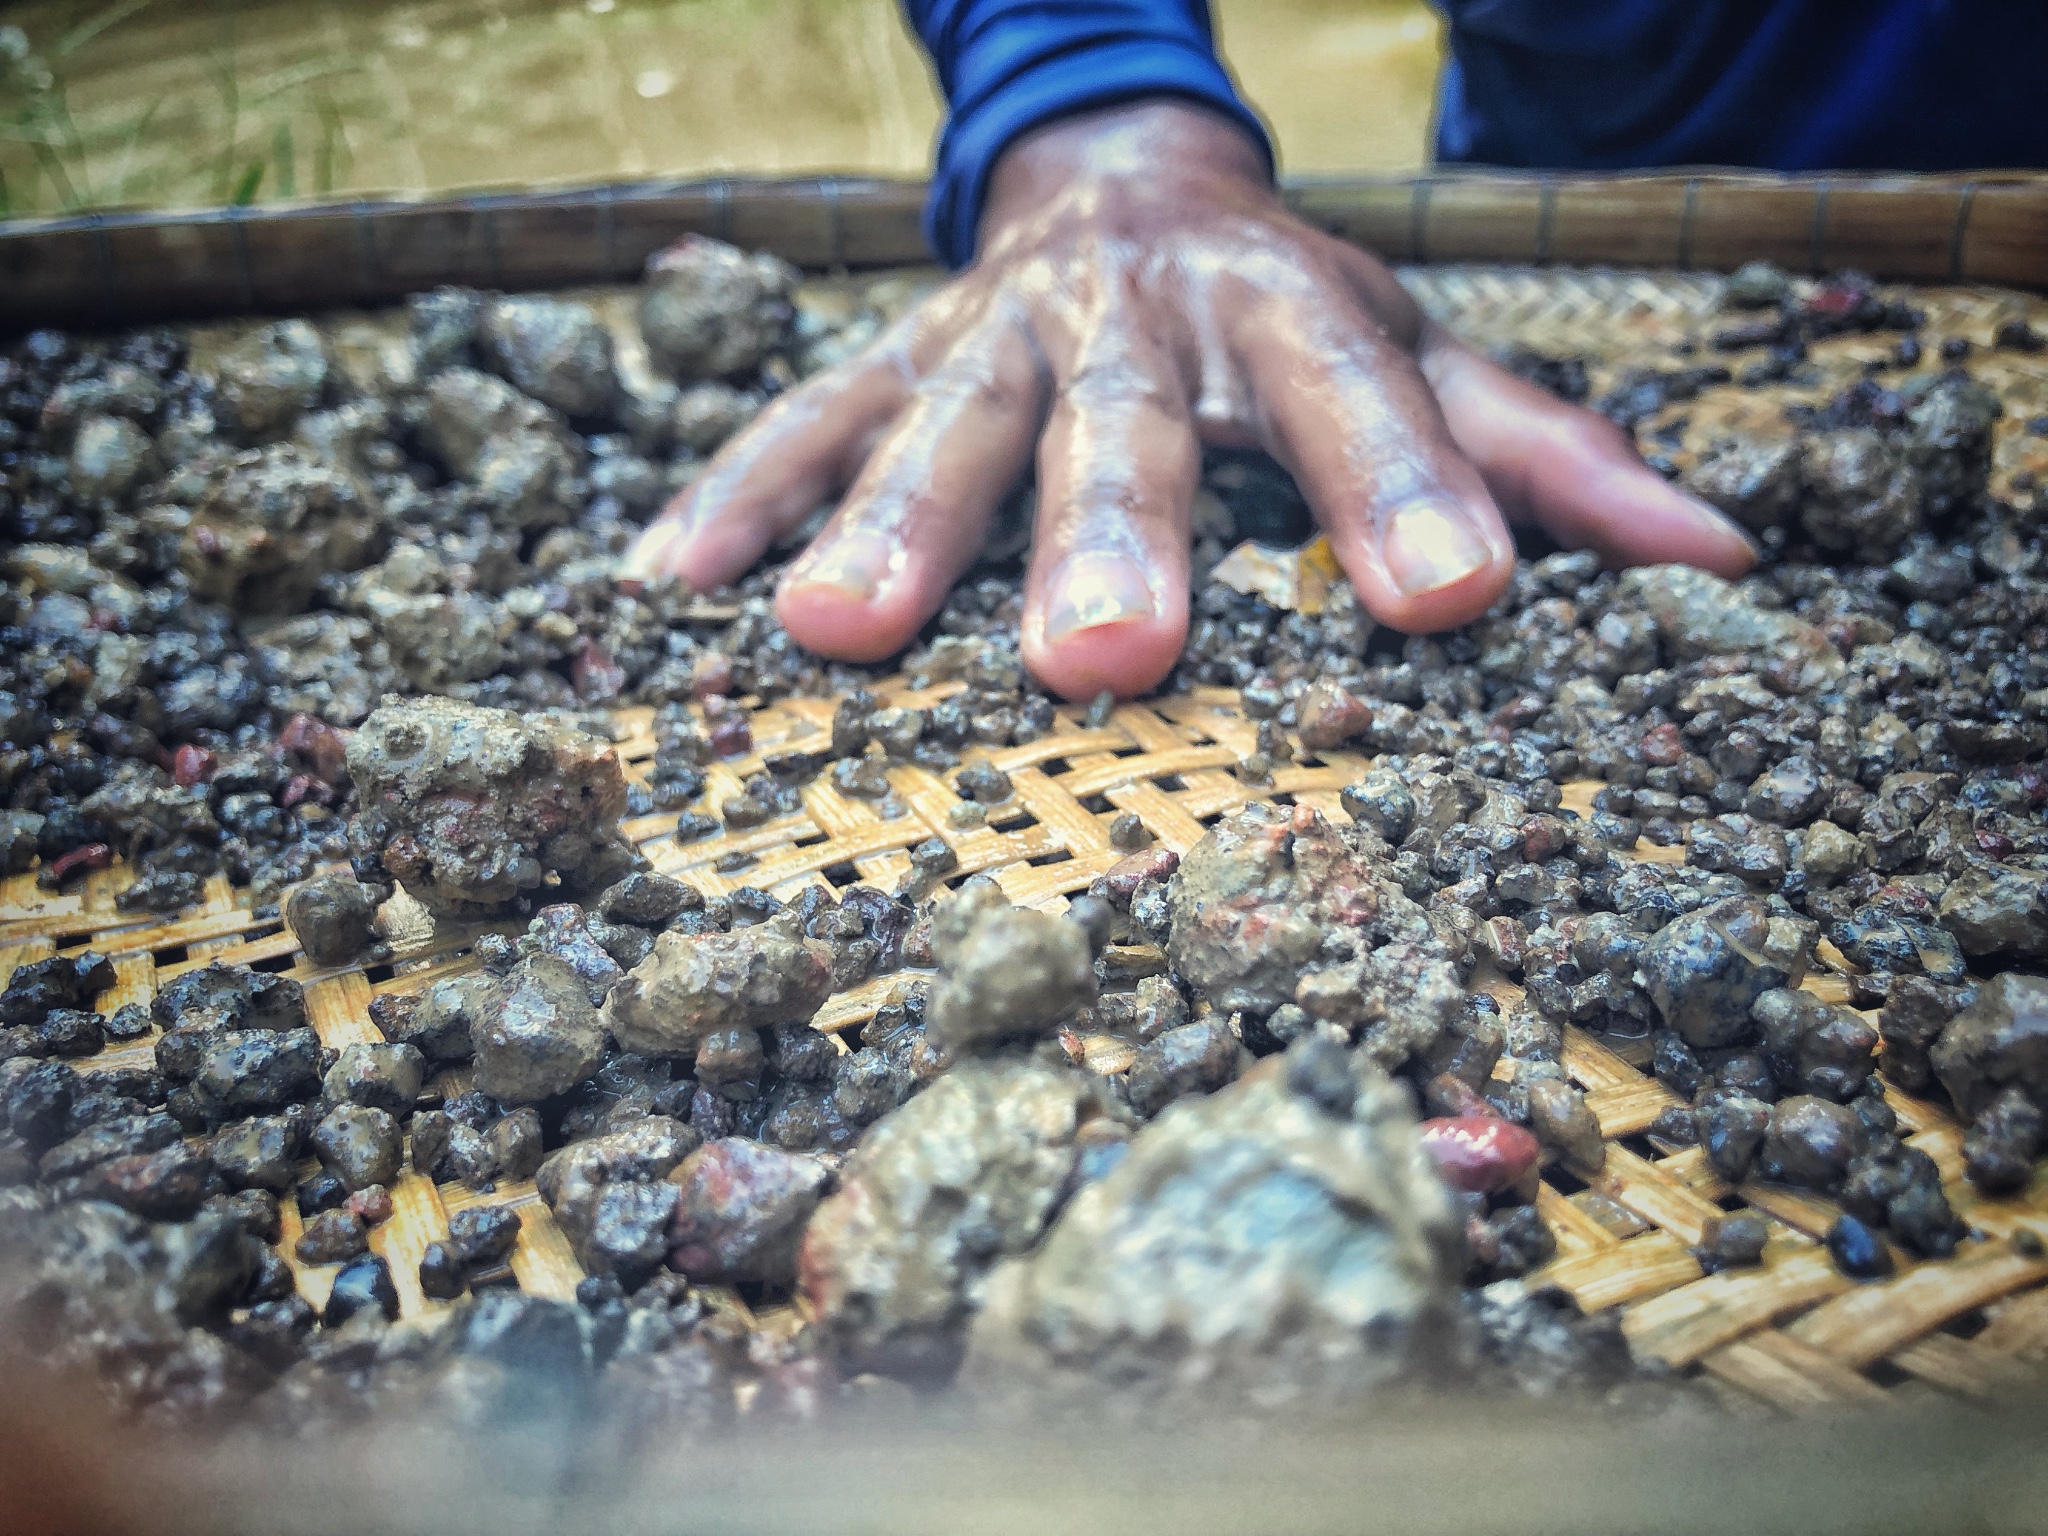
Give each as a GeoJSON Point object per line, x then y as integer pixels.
{"type": "Point", "coordinates": [1663, 747]}
{"type": "Point", "coordinates": [317, 745]}
{"type": "Point", "coordinates": [193, 765]}
{"type": "Point", "coordinates": [595, 676]}
{"type": "Point", "coordinates": [79, 861]}
{"type": "Point", "coordinates": [1480, 1155]}
{"type": "Point", "coordinates": [731, 735]}
{"type": "Point", "coordinates": [304, 787]}
{"type": "Point", "coordinates": [710, 673]}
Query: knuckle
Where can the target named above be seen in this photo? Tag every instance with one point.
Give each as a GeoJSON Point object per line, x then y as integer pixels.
{"type": "Point", "coordinates": [1120, 384]}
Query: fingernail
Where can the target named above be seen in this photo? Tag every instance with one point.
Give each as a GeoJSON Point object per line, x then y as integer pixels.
{"type": "Point", "coordinates": [646, 559]}
{"type": "Point", "coordinates": [856, 563]}
{"type": "Point", "coordinates": [1706, 513]}
{"type": "Point", "coordinates": [1429, 545]}
{"type": "Point", "coordinates": [1093, 590]}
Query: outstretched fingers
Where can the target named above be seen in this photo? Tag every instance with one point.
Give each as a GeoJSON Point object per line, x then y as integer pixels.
{"type": "Point", "coordinates": [922, 504]}
{"type": "Point", "coordinates": [1106, 599]}
{"type": "Point", "coordinates": [1575, 474]}
{"type": "Point", "coordinates": [1345, 408]}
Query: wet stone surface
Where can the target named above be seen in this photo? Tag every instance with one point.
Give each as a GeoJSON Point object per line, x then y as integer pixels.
{"type": "Point", "coordinates": [277, 597]}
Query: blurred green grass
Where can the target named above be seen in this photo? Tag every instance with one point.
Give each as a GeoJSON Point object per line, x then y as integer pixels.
{"type": "Point", "coordinates": [110, 103]}
{"type": "Point", "coordinates": [276, 133]}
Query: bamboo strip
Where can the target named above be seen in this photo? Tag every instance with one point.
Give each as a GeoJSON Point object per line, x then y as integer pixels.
{"type": "Point", "coordinates": [1791, 1375]}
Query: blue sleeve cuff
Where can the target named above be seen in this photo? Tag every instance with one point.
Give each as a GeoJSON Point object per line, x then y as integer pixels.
{"type": "Point", "coordinates": [1076, 75]}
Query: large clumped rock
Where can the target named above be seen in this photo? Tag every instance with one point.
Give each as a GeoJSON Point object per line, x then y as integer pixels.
{"type": "Point", "coordinates": [470, 807]}
{"type": "Point", "coordinates": [555, 350]}
{"type": "Point", "coordinates": [543, 1038]}
{"type": "Point", "coordinates": [1999, 1041]}
{"type": "Point", "coordinates": [964, 1174]}
{"type": "Point", "coordinates": [710, 310]}
{"type": "Point", "coordinates": [1698, 615]}
{"type": "Point", "coordinates": [692, 986]}
{"type": "Point", "coordinates": [270, 523]}
{"type": "Point", "coordinates": [1286, 1237]}
{"type": "Point", "coordinates": [1004, 970]}
{"type": "Point", "coordinates": [1253, 901]}
{"type": "Point", "coordinates": [1706, 970]}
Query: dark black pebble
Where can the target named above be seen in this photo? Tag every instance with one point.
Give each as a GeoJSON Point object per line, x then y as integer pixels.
{"type": "Point", "coordinates": [364, 1283]}
{"type": "Point", "coordinates": [1857, 1249]}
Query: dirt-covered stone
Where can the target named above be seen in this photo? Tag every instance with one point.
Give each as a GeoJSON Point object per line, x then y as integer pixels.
{"type": "Point", "coordinates": [543, 1037]}
{"type": "Point", "coordinates": [1259, 1243]}
{"type": "Point", "coordinates": [741, 1211]}
{"type": "Point", "coordinates": [692, 986]}
{"type": "Point", "coordinates": [470, 807]}
{"type": "Point", "coordinates": [965, 1173]}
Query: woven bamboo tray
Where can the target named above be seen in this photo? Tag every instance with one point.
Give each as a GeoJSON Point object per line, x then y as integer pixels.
{"type": "Point", "coordinates": [1793, 1334]}
{"type": "Point", "coordinates": [124, 266]}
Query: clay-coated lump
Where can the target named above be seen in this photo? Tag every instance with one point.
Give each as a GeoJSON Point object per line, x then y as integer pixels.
{"type": "Point", "coordinates": [469, 807]}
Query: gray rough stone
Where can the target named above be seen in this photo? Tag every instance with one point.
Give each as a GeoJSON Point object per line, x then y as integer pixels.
{"type": "Point", "coordinates": [709, 310]}
{"type": "Point", "coordinates": [965, 1173]}
{"type": "Point", "coordinates": [1004, 970]}
{"type": "Point", "coordinates": [267, 376]}
{"type": "Point", "coordinates": [1755, 481]}
{"type": "Point", "coordinates": [441, 1022]}
{"type": "Point", "coordinates": [555, 350]}
{"type": "Point", "coordinates": [269, 524]}
{"type": "Point", "coordinates": [1861, 495]}
{"type": "Point", "coordinates": [1699, 615]}
{"type": "Point", "coordinates": [360, 1146]}
{"type": "Point", "coordinates": [1705, 970]}
{"type": "Point", "coordinates": [692, 986]}
{"type": "Point", "coordinates": [1999, 1041]}
{"type": "Point", "coordinates": [377, 1076]}
{"type": "Point", "coordinates": [1998, 910]}
{"type": "Point", "coordinates": [574, 1182]}
{"type": "Point", "coordinates": [1252, 1243]}
{"type": "Point", "coordinates": [110, 456]}
{"type": "Point", "coordinates": [333, 916]}
{"type": "Point", "coordinates": [544, 1037]}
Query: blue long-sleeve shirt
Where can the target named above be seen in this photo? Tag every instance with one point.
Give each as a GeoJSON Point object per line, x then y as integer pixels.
{"type": "Point", "coordinates": [1790, 85]}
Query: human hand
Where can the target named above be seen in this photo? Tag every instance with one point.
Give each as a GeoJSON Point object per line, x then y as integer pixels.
{"type": "Point", "coordinates": [1140, 291]}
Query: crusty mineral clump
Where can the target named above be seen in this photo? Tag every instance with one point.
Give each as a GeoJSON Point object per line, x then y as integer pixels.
{"type": "Point", "coordinates": [1262, 1241]}
{"type": "Point", "coordinates": [710, 310]}
{"type": "Point", "coordinates": [471, 807]}
{"type": "Point", "coordinates": [269, 524]}
{"type": "Point", "coordinates": [962, 1175]}
{"type": "Point", "coordinates": [1253, 901]}
{"type": "Point", "coordinates": [542, 1039]}
{"type": "Point", "coordinates": [1004, 970]}
{"type": "Point", "coordinates": [1706, 970]}
{"type": "Point", "coordinates": [1999, 1041]}
{"type": "Point", "coordinates": [692, 986]}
